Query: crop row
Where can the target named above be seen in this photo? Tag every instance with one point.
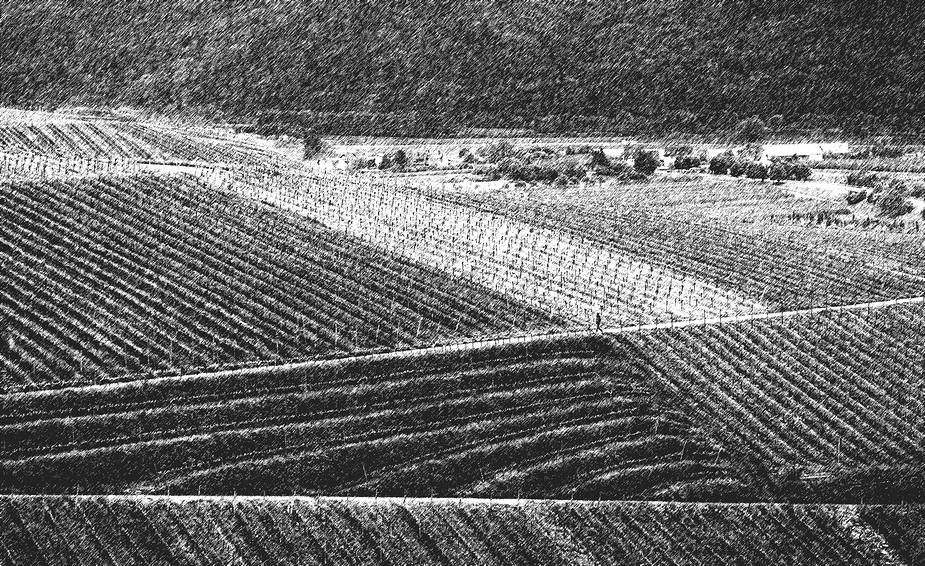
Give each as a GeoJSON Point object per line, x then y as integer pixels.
{"type": "Point", "coordinates": [559, 272]}
{"type": "Point", "coordinates": [75, 138]}
{"type": "Point", "coordinates": [82, 139]}
{"type": "Point", "coordinates": [556, 424]}
{"type": "Point", "coordinates": [117, 531]}
{"type": "Point", "coordinates": [834, 389]}
{"type": "Point", "coordinates": [108, 276]}
{"type": "Point", "coordinates": [768, 265]}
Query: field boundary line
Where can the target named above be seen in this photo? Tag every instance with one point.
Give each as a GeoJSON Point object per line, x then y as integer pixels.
{"type": "Point", "coordinates": [763, 315]}
{"type": "Point", "coordinates": [461, 347]}
{"type": "Point", "coordinates": [417, 500]}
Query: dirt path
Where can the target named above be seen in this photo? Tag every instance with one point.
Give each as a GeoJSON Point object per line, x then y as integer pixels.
{"type": "Point", "coordinates": [464, 346]}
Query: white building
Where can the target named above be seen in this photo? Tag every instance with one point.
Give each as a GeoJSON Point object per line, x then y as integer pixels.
{"type": "Point", "coordinates": [803, 151]}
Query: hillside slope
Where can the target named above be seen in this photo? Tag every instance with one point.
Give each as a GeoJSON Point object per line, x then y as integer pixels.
{"type": "Point", "coordinates": [636, 64]}
{"type": "Point", "coordinates": [115, 275]}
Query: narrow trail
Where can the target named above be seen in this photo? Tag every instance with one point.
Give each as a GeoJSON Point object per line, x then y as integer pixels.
{"type": "Point", "coordinates": [434, 501]}
{"type": "Point", "coordinates": [467, 346]}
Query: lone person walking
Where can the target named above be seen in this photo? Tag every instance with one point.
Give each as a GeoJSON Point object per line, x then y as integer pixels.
{"type": "Point", "coordinates": [597, 318]}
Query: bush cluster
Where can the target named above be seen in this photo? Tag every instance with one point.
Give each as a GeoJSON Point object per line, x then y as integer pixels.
{"type": "Point", "coordinates": [544, 170]}
{"type": "Point", "coordinates": [686, 162]}
{"type": "Point", "coordinates": [892, 199]}
{"type": "Point", "coordinates": [855, 197]}
{"type": "Point", "coordinates": [789, 170]}
{"type": "Point", "coordinates": [646, 162]}
{"type": "Point", "coordinates": [755, 170]}
{"type": "Point", "coordinates": [862, 179]}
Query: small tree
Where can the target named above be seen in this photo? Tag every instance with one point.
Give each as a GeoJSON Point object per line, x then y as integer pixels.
{"type": "Point", "coordinates": [776, 122]}
{"type": "Point", "coordinates": [598, 159]}
{"type": "Point", "coordinates": [779, 171]}
{"type": "Point", "coordinates": [721, 163]}
{"type": "Point", "coordinates": [311, 144]}
{"type": "Point", "coordinates": [646, 162]}
{"type": "Point", "coordinates": [737, 169]}
{"type": "Point", "coordinates": [892, 202]}
{"type": "Point", "coordinates": [755, 170]}
{"type": "Point", "coordinates": [800, 171]}
{"type": "Point", "coordinates": [399, 158]}
{"type": "Point", "coordinates": [495, 152]}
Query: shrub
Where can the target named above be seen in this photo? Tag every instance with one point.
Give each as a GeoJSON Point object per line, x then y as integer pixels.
{"type": "Point", "coordinates": [678, 150]}
{"type": "Point", "coordinates": [399, 158]}
{"type": "Point", "coordinates": [776, 122]}
{"type": "Point", "coordinates": [386, 162]}
{"type": "Point", "coordinates": [854, 197]}
{"type": "Point", "coordinates": [889, 151]}
{"type": "Point", "coordinates": [646, 162]}
{"type": "Point", "coordinates": [599, 159]}
{"type": "Point", "coordinates": [755, 170]}
{"type": "Point", "coordinates": [917, 191]}
{"type": "Point", "coordinates": [721, 163]}
{"type": "Point", "coordinates": [737, 168]}
{"type": "Point", "coordinates": [862, 179]}
{"type": "Point", "coordinates": [787, 170]}
{"type": "Point", "coordinates": [543, 170]}
{"type": "Point", "coordinates": [800, 171]}
{"type": "Point", "coordinates": [686, 162]}
{"type": "Point", "coordinates": [750, 130]}
{"type": "Point", "coordinates": [362, 163]}
{"type": "Point", "coordinates": [620, 170]}
{"type": "Point", "coordinates": [892, 202]}
{"type": "Point", "coordinates": [487, 172]}
{"type": "Point", "coordinates": [495, 152]}
{"type": "Point", "coordinates": [311, 145]}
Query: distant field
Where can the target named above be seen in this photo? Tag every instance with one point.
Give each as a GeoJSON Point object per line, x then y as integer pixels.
{"type": "Point", "coordinates": [120, 140]}
{"type": "Point", "coordinates": [115, 531]}
{"type": "Point", "coordinates": [106, 276]}
{"type": "Point", "coordinates": [904, 164]}
{"type": "Point", "coordinates": [552, 419]}
{"type": "Point", "coordinates": [735, 236]}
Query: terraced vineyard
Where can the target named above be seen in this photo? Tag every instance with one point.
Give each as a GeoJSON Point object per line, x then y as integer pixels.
{"type": "Point", "coordinates": [107, 276]}
{"type": "Point", "coordinates": [554, 419]}
{"type": "Point", "coordinates": [302, 531]}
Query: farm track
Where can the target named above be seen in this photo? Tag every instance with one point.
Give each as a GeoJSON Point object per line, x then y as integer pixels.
{"type": "Point", "coordinates": [478, 345]}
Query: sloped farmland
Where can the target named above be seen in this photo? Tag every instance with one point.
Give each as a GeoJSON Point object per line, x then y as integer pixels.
{"type": "Point", "coordinates": [546, 419]}
{"type": "Point", "coordinates": [109, 276]}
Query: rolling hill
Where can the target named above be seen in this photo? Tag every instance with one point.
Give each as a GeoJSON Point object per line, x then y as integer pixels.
{"type": "Point", "coordinates": [426, 65]}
